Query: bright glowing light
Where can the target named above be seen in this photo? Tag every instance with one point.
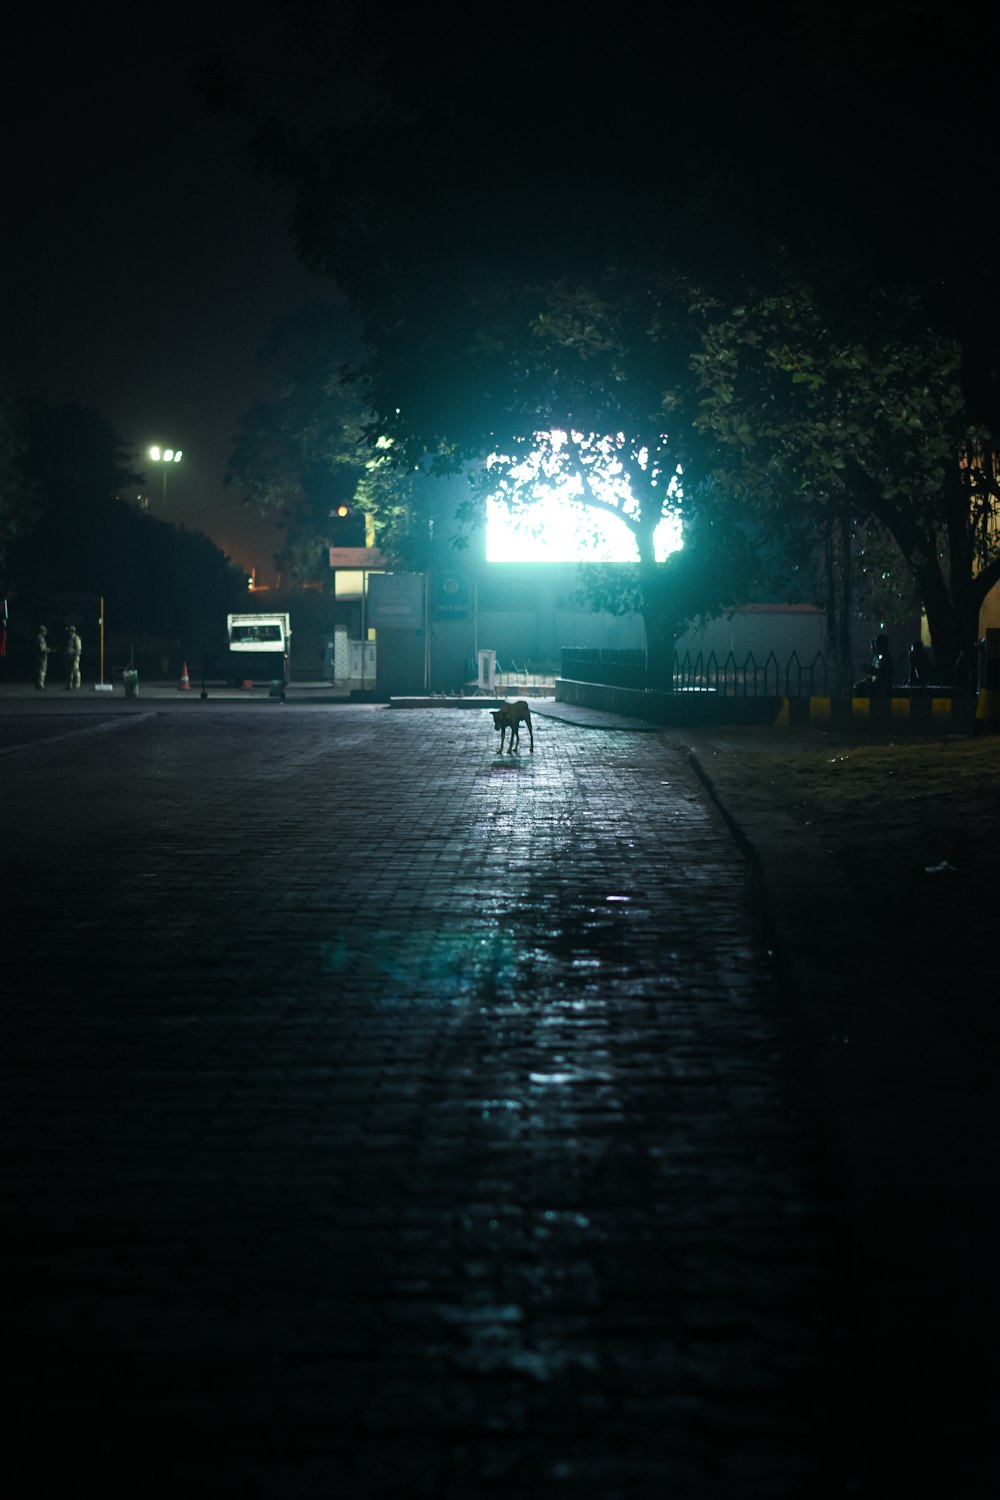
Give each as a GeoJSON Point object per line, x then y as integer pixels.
{"type": "Point", "coordinates": [544, 518]}
{"type": "Point", "coordinates": [557, 528]}
{"type": "Point", "coordinates": [154, 454]}
{"type": "Point", "coordinates": [177, 456]}
{"type": "Point", "coordinates": [168, 455]}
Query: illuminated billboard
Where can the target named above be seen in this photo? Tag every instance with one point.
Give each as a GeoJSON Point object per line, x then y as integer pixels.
{"type": "Point", "coordinates": [538, 511]}
{"type": "Point", "coordinates": [554, 529]}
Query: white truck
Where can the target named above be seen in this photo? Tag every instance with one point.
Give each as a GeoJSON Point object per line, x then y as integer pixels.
{"type": "Point", "coordinates": [260, 647]}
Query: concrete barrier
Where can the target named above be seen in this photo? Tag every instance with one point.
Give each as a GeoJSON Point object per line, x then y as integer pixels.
{"type": "Point", "coordinates": [906, 713]}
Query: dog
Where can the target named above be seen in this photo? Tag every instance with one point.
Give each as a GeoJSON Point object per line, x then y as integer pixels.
{"type": "Point", "coordinates": [510, 717]}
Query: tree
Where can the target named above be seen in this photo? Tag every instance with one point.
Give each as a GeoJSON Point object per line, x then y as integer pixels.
{"type": "Point", "coordinates": [18, 500]}
{"type": "Point", "coordinates": [820, 128]}
{"type": "Point", "coordinates": [871, 149]}
{"type": "Point", "coordinates": [590, 362]}
{"type": "Point", "coordinates": [597, 400]}
{"type": "Point", "coordinates": [858, 422]}
{"type": "Point", "coordinates": [302, 454]}
{"type": "Point", "coordinates": [429, 161]}
{"type": "Point", "coordinates": [315, 455]}
{"type": "Point", "coordinates": [86, 540]}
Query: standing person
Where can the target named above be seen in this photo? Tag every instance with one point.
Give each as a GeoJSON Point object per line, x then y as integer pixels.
{"type": "Point", "coordinates": [921, 665]}
{"type": "Point", "coordinates": [42, 652]}
{"type": "Point", "coordinates": [883, 667]}
{"type": "Point", "coordinates": [74, 648]}
{"type": "Point", "coordinates": [881, 672]}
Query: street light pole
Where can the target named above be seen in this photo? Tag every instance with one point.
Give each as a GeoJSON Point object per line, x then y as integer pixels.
{"type": "Point", "coordinates": [163, 457]}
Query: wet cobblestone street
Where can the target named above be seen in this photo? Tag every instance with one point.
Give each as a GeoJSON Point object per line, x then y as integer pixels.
{"type": "Point", "coordinates": [383, 1117]}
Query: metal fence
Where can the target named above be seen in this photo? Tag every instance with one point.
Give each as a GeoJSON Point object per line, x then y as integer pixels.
{"type": "Point", "coordinates": [611, 668]}
{"type": "Point", "coordinates": [749, 678]}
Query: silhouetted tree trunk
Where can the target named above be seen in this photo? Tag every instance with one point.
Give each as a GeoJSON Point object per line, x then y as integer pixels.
{"type": "Point", "coordinates": [839, 574]}
{"type": "Point", "coordinates": [950, 584]}
{"type": "Point", "coordinates": [659, 621]}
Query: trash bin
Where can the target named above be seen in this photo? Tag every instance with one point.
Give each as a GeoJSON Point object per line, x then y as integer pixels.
{"type": "Point", "coordinates": [131, 681]}
{"type": "Point", "coordinates": [277, 689]}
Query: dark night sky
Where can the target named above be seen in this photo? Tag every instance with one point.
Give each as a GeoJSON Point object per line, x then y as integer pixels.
{"type": "Point", "coordinates": [143, 261]}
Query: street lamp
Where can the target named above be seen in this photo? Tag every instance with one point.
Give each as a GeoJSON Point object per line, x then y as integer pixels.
{"type": "Point", "coordinates": [164, 457]}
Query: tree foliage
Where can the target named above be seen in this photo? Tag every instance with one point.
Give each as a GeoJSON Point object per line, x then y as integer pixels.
{"type": "Point", "coordinates": [18, 498]}
{"type": "Point", "coordinates": [860, 424]}
{"type": "Point", "coordinates": [85, 540]}
{"type": "Point", "coordinates": [303, 452]}
{"type": "Point", "coordinates": [503, 210]}
{"type": "Point", "coordinates": [315, 445]}
{"type": "Point", "coordinates": [430, 162]}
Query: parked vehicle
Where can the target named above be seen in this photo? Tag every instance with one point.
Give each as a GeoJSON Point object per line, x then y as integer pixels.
{"type": "Point", "coordinates": [260, 647]}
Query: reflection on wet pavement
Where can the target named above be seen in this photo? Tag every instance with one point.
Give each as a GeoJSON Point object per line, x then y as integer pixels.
{"type": "Point", "coordinates": [432, 1122]}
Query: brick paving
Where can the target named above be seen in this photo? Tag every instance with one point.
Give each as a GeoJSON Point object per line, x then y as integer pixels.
{"type": "Point", "coordinates": [383, 1118]}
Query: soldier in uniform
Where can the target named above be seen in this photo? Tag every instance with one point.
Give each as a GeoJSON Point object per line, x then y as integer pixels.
{"type": "Point", "coordinates": [43, 651]}
{"type": "Point", "coordinates": [74, 647]}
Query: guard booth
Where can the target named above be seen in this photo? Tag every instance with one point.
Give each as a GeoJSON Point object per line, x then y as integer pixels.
{"type": "Point", "coordinates": [260, 647]}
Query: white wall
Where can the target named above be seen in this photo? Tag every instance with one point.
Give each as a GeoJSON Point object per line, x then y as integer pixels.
{"type": "Point", "coordinates": [758, 631]}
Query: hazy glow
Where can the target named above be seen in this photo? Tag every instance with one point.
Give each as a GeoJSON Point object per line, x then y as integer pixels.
{"type": "Point", "coordinates": [536, 514]}
{"type": "Point", "coordinates": [557, 528]}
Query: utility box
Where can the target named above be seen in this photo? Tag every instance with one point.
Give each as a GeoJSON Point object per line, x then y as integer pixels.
{"type": "Point", "coordinates": [362, 661]}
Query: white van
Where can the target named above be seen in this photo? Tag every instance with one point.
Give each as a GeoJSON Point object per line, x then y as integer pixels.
{"type": "Point", "coordinates": [260, 646]}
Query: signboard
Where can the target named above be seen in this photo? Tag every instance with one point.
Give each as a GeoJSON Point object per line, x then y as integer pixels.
{"type": "Point", "coordinates": [452, 596]}
{"type": "Point", "coordinates": [356, 557]}
{"type": "Point", "coordinates": [396, 601]}
{"type": "Point", "coordinates": [258, 632]}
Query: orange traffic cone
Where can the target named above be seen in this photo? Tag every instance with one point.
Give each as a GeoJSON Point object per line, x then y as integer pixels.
{"type": "Point", "coordinates": [185, 683]}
